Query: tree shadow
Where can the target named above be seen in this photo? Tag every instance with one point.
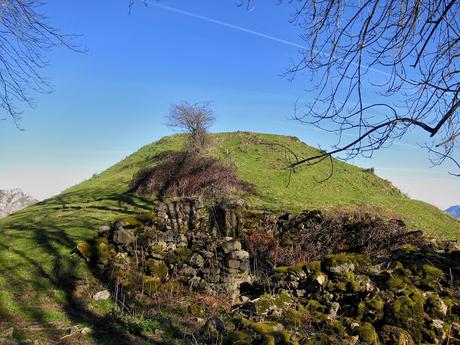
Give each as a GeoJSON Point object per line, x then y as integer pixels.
{"type": "Point", "coordinates": [40, 279]}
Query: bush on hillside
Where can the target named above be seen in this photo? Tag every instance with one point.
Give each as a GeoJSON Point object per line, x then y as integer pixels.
{"type": "Point", "coordinates": [186, 174]}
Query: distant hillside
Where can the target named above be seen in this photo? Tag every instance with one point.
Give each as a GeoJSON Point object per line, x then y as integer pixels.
{"type": "Point", "coordinates": [454, 211]}
{"type": "Point", "coordinates": [14, 200]}
{"type": "Point", "coordinates": [35, 242]}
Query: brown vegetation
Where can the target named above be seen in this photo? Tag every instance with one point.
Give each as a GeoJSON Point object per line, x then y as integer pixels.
{"type": "Point", "coordinates": [312, 235]}
{"type": "Point", "coordinates": [185, 174]}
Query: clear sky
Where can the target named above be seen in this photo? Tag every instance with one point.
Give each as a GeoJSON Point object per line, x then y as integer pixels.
{"type": "Point", "coordinates": [110, 101]}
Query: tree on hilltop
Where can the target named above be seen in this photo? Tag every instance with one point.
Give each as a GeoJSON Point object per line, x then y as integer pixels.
{"type": "Point", "coordinates": [195, 119]}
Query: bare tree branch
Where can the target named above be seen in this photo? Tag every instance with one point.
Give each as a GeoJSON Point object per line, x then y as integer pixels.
{"type": "Point", "coordinates": [25, 38]}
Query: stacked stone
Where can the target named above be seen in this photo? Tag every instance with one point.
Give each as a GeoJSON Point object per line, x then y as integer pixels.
{"type": "Point", "coordinates": [179, 241]}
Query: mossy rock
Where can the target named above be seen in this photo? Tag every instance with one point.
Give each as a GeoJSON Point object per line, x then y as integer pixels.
{"type": "Point", "coordinates": [263, 328]}
{"type": "Point", "coordinates": [430, 276]}
{"type": "Point", "coordinates": [271, 332]}
{"type": "Point", "coordinates": [267, 302]}
{"type": "Point", "coordinates": [157, 268]}
{"type": "Point", "coordinates": [392, 335]}
{"type": "Point", "coordinates": [131, 220]}
{"type": "Point", "coordinates": [294, 269]}
{"type": "Point", "coordinates": [241, 337]}
{"type": "Point", "coordinates": [341, 263]}
{"type": "Point", "coordinates": [435, 306]}
{"type": "Point", "coordinates": [312, 267]}
{"type": "Point", "coordinates": [179, 256]}
{"type": "Point", "coordinates": [372, 309]}
{"type": "Point", "coordinates": [399, 277]}
{"type": "Point", "coordinates": [407, 312]}
{"type": "Point", "coordinates": [314, 306]}
{"type": "Point", "coordinates": [293, 318]}
{"type": "Point", "coordinates": [367, 334]}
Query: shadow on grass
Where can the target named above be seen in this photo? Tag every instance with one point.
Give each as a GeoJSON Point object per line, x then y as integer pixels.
{"type": "Point", "coordinates": [39, 279]}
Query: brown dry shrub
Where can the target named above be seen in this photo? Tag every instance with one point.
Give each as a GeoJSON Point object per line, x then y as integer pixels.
{"type": "Point", "coordinates": [311, 235]}
{"type": "Point", "coordinates": [186, 174]}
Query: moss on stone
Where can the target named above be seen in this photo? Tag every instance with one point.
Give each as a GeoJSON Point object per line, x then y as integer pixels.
{"type": "Point", "coordinates": [399, 277]}
{"type": "Point", "coordinates": [179, 256]}
{"type": "Point", "coordinates": [435, 306]}
{"type": "Point", "coordinates": [313, 266]}
{"type": "Point", "coordinates": [131, 220]}
{"type": "Point", "coordinates": [263, 328]}
{"type": "Point", "coordinates": [367, 334]}
{"type": "Point", "coordinates": [314, 305]}
{"type": "Point", "coordinates": [407, 312]}
{"type": "Point", "coordinates": [157, 268]}
{"type": "Point", "coordinates": [241, 337]}
{"type": "Point", "coordinates": [393, 335]}
{"type": "Point", "coordinates": [431, 276]}
{"type": "Point", "coordinates": [267, 302]}
{"type": "Point", "coordinates": [334, 260]}
{"type": "Point", "coordinates": [293, 318]}
{"type": "Point", "coordinates": [85, 249]}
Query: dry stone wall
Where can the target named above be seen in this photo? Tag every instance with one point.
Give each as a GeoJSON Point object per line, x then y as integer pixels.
{"type": "Point", "coordinates": [181, 240]}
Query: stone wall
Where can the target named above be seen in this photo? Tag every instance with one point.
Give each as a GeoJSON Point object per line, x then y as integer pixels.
{"type": "Point", "coordinates": [181, 240]}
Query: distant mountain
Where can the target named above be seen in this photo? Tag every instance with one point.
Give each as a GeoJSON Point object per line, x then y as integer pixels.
{"type": "Point", "coordinates": [14, 200]}
{"type": "Point", "coordinates": [454, 211]}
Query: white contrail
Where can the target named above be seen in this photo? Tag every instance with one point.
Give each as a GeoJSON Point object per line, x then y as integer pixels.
{"type": "Point", "coordinates": [248, 31]}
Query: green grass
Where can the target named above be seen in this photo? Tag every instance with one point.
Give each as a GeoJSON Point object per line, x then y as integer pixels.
{"type": "Point", "coordinates": [39, 279]}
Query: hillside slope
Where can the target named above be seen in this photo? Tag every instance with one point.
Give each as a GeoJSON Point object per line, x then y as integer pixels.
{"type": "Point", "coordinates": [39, 279]}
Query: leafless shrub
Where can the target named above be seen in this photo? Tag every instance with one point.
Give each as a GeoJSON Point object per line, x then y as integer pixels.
{"type": "Point", "coordinates": [311, 236]}
{"type": "Point", "coordinates": [195, 119]}
{"type": "Point", "coordinates": [185, 174]}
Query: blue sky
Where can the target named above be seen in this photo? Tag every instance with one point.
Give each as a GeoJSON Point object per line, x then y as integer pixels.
{"type": "Point", "coordinates": [110, 101]}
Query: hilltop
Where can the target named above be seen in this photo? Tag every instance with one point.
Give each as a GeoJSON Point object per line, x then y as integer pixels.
{"type": "Point", "coordinates": [39, 279]}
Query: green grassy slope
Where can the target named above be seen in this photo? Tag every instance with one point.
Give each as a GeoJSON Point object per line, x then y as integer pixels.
{"type": "Point", "coordinates": [39, 280]}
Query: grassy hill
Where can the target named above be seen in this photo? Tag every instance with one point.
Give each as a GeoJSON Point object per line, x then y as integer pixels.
{"type": "Point", "coordinates": [40, 282]}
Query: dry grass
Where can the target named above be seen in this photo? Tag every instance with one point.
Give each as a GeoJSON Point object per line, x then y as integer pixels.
{"type": "Point", "coordinates": [186, 174]}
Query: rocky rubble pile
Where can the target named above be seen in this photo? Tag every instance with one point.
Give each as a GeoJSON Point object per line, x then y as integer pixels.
{"type": "Point", "coordinates": [410, 298]}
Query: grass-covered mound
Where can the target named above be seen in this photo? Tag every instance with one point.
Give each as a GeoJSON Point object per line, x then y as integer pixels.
{"type": "Point", "coordinates": [39, 281]}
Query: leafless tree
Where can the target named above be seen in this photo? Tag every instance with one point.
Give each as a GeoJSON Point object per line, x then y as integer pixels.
{"type": "Point", "coordinates": [25, 38]}
{"type": "Point", "coordinates": [380, 68]}
{"type": "Point", "coordinates": [195, 119]}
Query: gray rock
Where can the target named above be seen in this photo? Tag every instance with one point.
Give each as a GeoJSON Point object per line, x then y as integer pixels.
{"type": "Point", "coordinates": [214, 328]}
{"type": "Point", "coordinates": [345, 267]}
{"type": "Point", "coordinates": [101, 295]}
{"type": "Point", "coordinates": [123, 236]}
{"type": "Point", "coordinates": [197, 260]}
{"type": "Point", "coordinates": [231, 245]}
{"type": "Point", "coordinates": [235, 264]}
{"type": "Point", "coordinates": [239, 255]}
{"type": "Point", "coordinates": [187, 271]}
